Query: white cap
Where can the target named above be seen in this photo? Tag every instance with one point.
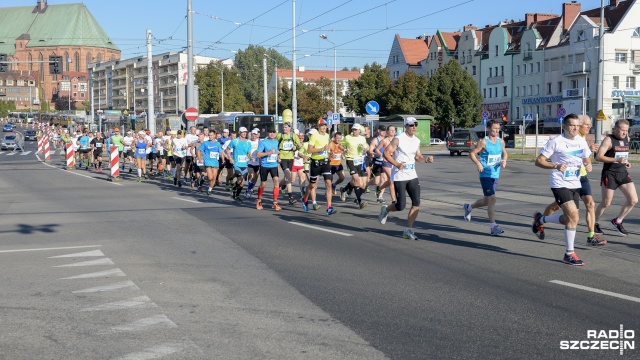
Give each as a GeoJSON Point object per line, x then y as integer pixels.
{"type": "Point", "coordinates": [243, 129]}
{"type": "Point", "coordinates": [255, 131]}
{"type": "Point", "coordinates": [296, 131]}
{"type": "Point", "coordinates": [356, 127]}
{"type": "Point", "coordinates": [142, 132]}
{"type": "Point", "coordinates": [410, 121]}
{"type": "Point", "coordinates": [225, 130]}
{"type": "Point", "coordinates": [312, 131]}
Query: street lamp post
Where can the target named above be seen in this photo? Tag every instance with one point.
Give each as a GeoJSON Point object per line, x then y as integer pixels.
{"type": "Point", "coordinates": [222, 88]}
{"type": "Point", "coordinates": [335, 77]}
{"type": "Point", "coordinates": [276, 75]}
{"type": "Point", "coordinates": [177, 94]}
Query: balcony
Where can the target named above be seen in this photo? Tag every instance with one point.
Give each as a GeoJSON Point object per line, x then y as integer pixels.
{"type": "Point", "coordinates": [495, 80]}
{"type": "Point", "coordinates": [528, 55]}
{"type": "Point", "coordinates": [635, 66]}
{"type": "Point", "coordinates": [581, 68]}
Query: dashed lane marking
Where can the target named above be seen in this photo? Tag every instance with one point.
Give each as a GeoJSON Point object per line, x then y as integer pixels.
{"type": "Point", "coordinates": [141, 324]}
{"type": "Point", "coordinates": [319, 228]}
{"type": "Point", "coordinates": [603, 292]}
{"type": "Point", "coordinates": [154, 352]}
{"type": "Point", "coordinates": [49, 249]}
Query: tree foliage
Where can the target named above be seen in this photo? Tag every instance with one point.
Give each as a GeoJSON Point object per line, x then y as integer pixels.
{"type": "Point", "coordinates": [374, 84]}
{"type": "Point", "coordinates": [249, 64]}
{"type": "Point", "coordinates": [62, 103]}
{"type": "Point", "coordinates": [409, 95]}
{"type": "Point", "coordinates": [209, 82]}
{"type": "Point", "coordinates": [6, 107]}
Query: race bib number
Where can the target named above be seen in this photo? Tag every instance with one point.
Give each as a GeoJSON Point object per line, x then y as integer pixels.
{"type": "Point", "coordinates": [571, 173]}
{"type": "Point", "coordinates": [337, 156]}
{"type": "Point", "coordinates": [273, 158]}
{"type": "Point", "coordinates": [409, 167]}
{"type": "Point", "coordinates": [493, 159]}
{"type": "Point", "coordinates": [322, 153]}
{"type": "Point", "coordinates": [622, 154]}
{"type": "Point", "coordinates": [214, 155]}
{"type": "Point", "coordinates": [357, 161]}
{"type": "Point", "coordinates": [127, 148]}
{"type": "Point", "coordinates": [242, 158]}
{"type": "Point", "coordinates": [98, 145]}
{"type": "Point", "coordinates": [199, 163]}
{"type": "Point", "coordinates": [141, 151]}
{"type": "Point", "coordinates": [287, 145]}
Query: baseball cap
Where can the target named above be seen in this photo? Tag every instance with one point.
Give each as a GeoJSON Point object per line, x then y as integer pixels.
{"type": "Point", "coordinates": [179, 132]}
{"type": "Point", "coordinates": [410, 121]}
{"type": "Point", "coordinates": [129, 132]}
{"type": "Point", "coordinates": [287, 124]}
{"type": "Point", "coordinates": [225, 130]}
{"type": "Point", "coordinates": [296, 131]}
{"type": "Point", "coordinates": [255, 131]}
{"type": "Point", "coordinates": [356, 127]}
{"type": "Point", "coordinates": [382, 127]}
{"type": "Point", "coordinates": [168, 129]}
{"type": "Point", "coordinates": [243, 129]}
{"type": "Point", "coordinates": [321, 122]}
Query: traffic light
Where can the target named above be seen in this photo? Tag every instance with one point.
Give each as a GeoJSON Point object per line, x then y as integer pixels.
{"type": "Point", "coordinates": [55, 65]}
{"type": "Point", "coordinates": [3, 65]}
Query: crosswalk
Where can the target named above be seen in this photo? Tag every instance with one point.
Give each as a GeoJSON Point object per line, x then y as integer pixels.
{"type": "Point", "coordinates": [11, 153]}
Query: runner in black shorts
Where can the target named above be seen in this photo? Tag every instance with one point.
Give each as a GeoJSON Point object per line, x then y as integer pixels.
{"type": "Point", "coordinates": [97, 143]}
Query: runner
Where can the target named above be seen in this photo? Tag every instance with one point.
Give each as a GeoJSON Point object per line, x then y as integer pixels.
{"type": "Point", "coordinates": [402, 153]}
{"type": "Point", "coordinates": [254, 162]}
{"type": "Point", "coordinates": [268, 154]}
{"type": "Point", "coordinates": [228, 165]}
{"type": "Point", "coordinates": [386, 166]}
{"type": "Point", "coordinates": [378, 159]}
{"type": "Point", "coordinates": [493, 156]}
{"type": "Point", "coordinates": [83, 149]}
{"type": "Point", "coordinates": [300, 161]}
{"type": "Point", "coordinates": [354, 147]}
{"type": "Point", "coordinates": [224, 137]}
{"type": "Point", "coordinates": [191, 139]}
{"type": "Point", "coordinates": [288, 143]}
{"type": "Point", "coordinates": [336, 151]}
{"type": "Point", "coordinates": [209, 153]}
{"type": "Point", "coordinates": [238, 152]}
{"type": "Point", "coordinates": [141, 145]}
{"type": "Point", "coordinates": [159, 146]}
{"type": "Point", "coordinates": [567, 153]}
{"type": "Point", "coordinates": [197, 176]}
{"type": "Point", "coordinates": [593, 239]}
{"type": "Point", "coordinates": [127, 151]}
{"type": "Point", "coordinates": [97, 143]}
{"type": "Point", "coordinates": [318, 148]}
{"type": "Point", "coordinates": [614, 153]}
{"type": "Point", "coordinates": [179, 149]}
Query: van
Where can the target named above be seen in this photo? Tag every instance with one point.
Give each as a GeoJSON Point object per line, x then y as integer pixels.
{"type": "Point", "coordinates": [462, 141]}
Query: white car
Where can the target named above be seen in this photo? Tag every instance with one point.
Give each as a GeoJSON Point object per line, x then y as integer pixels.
{"type": "Point", "coordinates": [8, 142]}
{"type": "Point", "coordinates": [437, 142]}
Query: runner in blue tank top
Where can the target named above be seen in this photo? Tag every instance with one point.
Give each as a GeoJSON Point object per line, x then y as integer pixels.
{"type": "Point", "coordinates": [141, 155]}
{"type": "Point", "coordinates": [241, 148]}
{"type": "Point", "coordinates": [493, 156]}
{"type": "Point", "coordinates": [210, 152]}
{"type": "Point", "coordinates": [268, 154]}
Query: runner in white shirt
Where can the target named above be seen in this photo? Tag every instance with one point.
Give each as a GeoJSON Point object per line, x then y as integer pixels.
{"type": "Point", "coordinates": [402, 153]}
{"type": "Point", "coordinates": [254, 162]}
{"type": "Point", "coordinates": [191, 138]}
{"type": "Point", "coordinates": [127, 151]}
{"type": "Point", "coordinates": [565, 154]}
{"type": "Point", "coordinates": [179, 153]}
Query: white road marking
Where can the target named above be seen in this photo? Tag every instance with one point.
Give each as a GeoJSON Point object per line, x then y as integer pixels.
{"type": "Point", "coordinates": [11, 153]}
{"type": "Point", "coordinates": [154, 352]}
{"type": "Point", "coordinates": [105, 261]}
{"type": "Point", "coordinates": [106, 273]}
{"type": "Point", "coordinates": [1, 152]}
{"type": "Point", "coordinates": [603, 292]}
{"type": "Point", "coordinates": [319, 228]}
{"type": "Point", "coordinates": [137, 302]}
{"type": "Point", "coordinates": [75, 173]}
{"type": "Point", "coordinates": [141, 324]}
{"type": "Point", "coordinates": [26, 153]}
{"type": "Point", "coordinates": [191, 201]}
{"type": "Point", "coordinates": [111, 287]}
{"type": "Point", "coordinates": [82, 254]}
{"type": "Point", "coordinates": [48, 249]}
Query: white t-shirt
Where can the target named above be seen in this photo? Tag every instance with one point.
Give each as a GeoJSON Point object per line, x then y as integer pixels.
{"type": "Point", "coordinates": [158, 144]}
{"type": "Point", "coordinates": [191, 138]}
{"type": "Point", "coordinates": [127, 141]}
{"type": "Point", "coordinates": [253, 160]}
{"type": "Point", "coordinates": [561, 150]}
{"type": "Point", "coordinates": [180, 147]}
{"type": "Point", "coordinates": [405, 153]}
{"type": "Point", "coordinates": [298, 161]}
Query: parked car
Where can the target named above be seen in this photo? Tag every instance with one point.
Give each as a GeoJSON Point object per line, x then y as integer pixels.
{"type": "Point", "coordinates": [30, 135]}
{"type": "Point", "coordinates": [437, 142]}
{"type": "Point", "coordinates": [7, 127]}
{"type": "Point", "coordinates": [462, 141]}
{"type": "Point", "coordinates": [8, 142]}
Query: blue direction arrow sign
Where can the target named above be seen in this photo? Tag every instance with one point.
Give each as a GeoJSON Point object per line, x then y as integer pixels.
{"type": "Point", "coordinates": [372, 107]}
{"type": "Point", "coordinates": [560, 120]}
{"type": "Point", "coordinates": [484, 121]}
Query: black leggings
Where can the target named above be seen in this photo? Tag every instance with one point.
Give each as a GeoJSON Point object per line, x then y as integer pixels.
{"type": "Point", "coordinates": [411, 187]}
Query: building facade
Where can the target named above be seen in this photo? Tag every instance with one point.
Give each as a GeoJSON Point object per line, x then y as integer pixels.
{"type": "Point", "coordinates": [407, 54]}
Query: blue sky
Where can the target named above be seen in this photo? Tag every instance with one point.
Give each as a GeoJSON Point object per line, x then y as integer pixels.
{"type": "Point", "coordinates": [363, 31]}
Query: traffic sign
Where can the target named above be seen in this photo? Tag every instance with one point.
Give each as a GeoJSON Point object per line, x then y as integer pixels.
{"type": "Point", "coordinates": [328, 122]}
{"type": "Point", "coordinates": [484, 121]}
{"type": "Point", "coordinates": [485, 114]}
{"type": "Point", "coordinates": [372, 107]}
{"type": "Point", "coordinates": [191, 114]}
{"type": "Point", "coordinates": [562, 112]}
{"type": "Point", "coordinates": [329, 114]}
{"type": "Point", "coordinates": [560, 120]}
{"type": "Point", "coordinates": [528, 117]}
{"type": "Point", "coordinates": [601, 116]}
{"type": "Point", "coordinates": [335, 117]}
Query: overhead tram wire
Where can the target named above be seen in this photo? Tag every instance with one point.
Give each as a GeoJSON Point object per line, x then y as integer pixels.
{"type": "Point", "coordinates": [241, 25]}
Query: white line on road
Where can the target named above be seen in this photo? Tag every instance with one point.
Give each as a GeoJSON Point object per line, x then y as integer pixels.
{"type": "Point", "coordinates": [82, 254]}
{"type": "Point", "coordinates": [155, 352]}
{"type": "Point", "coordinates": [111, 287]}
{"type": "Point", "coordinates": [141, 324]}
{"type": "Point", "coordinates": [137, 302]}
{"type": "Point", "coordinates": [112, 272]}
{"type": "Point", "coordinates": [75, 173]}
{"type": "Point", "coordinates": [603, 292]}
{"type": "Point", "coordinates": [319, 228]}
{"type": "Point", "coordinates": [48, 249]}
{"type": "Point", "coordinates": [105, 261]}
{"type": "Point", "coordinates": [191, 201]}
{"type": "Point", "coordinates": [26, 153]}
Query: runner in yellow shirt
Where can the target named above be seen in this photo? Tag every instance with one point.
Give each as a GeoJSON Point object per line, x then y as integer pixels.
{"type": "Point", "coordinates": [319, 151]}
{"type": "Point", "coordinates": [355, 147]}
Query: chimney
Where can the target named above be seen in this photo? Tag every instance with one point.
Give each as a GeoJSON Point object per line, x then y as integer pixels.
{"type": "Point", "coordinates": [470, 27]}
{"type": "Point", "coordinates": [614, 3]}
{"type": "Point", "coordinates": [570, 12]}
{"type": "Point", "coordinates": [530, 19]}
{"type": "Point", "coordinates": [301, 68]}
{"type": "Point", "coordinates": [41, 6]}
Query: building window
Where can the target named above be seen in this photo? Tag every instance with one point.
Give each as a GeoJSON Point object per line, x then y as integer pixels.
{"type": "Point", "coordinates": [496, 50]}
{"type": "Point", "coordinates": [496, 71]}
{"type": "Point", "coordinates": [621, 57]}
{"type": "Point", "coordinates": [490, 72]}
{"type": "Point", "coordinates": [524, 90]}
{"type": "Point", "coordinates": [517, 91]}
{"type": "Point", "coordinates": [76, 59]}
{"type": "Point", "coordinates": [524, 69]}
{"type": "Point", "coordinates": [473, 69]}
{"type": "Point", "coordinates": [636, 32]}
{"type": "Point", "coordinates": [530, 68]}
{"type": "Point", "coordinates": [67, 61]}
{"type": "Point", "coordinates": [538, 67]}
{"type": "Point", "coordinates": [501, 70]}
{"type": "Point", "coordinates": [559, 87]}
{"type": "Point", "coordinates": [484, 93]}
{"type": "Point", "coordinates": [631, 82]}
{"type": "Point", "coordinates": [537, 89]}
{"type": "Point", "coordinates": [518, 112]}
{"type": "Point", "coordinates": [581, 36]}
{"type": "Point", "coordinates": [548, 111]}
{"type": "Point", "coordinates": [517, 69]}
{"type": "Point", "coordinates": [548, 88]}
{"type": "Point", "coordinates": [490, 90]}
{"type": "Point", "coordinates": [495, 90]}
{"type": "Point", "coordinates": [505, 91]}
{"type": "Point", "coordinates": [530, 89]}
{"type": "Point", "coordinates": [574, 84]}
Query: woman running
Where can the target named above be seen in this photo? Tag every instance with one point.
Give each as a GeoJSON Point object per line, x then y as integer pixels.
{"type": "Point", "coordinates": [141, 155]}
{"type": "Point", "coordinates": [391, 133]}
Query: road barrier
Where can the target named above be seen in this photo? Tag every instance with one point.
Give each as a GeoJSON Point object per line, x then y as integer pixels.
{"type": "Point", "coordinates": [40, 142]}
{"type": "Point", "coordinates": [71, 156]}
{"type": "Point", "coordinates": [114, 163]}
{"type": "Point", "coordinates": [47, 153]}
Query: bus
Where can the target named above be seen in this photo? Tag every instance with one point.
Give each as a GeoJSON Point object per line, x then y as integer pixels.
{"type": "Point", "coordinates": [234, 121]}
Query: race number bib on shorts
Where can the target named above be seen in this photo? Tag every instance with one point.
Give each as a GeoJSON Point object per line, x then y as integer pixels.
{"type": "Point", "coordinates": [493, 159]}
{"type": "Point", "coordinates": [571, 173]}
{"type": "Point", "coordinates": [214, 155]}
{"type": "Point", "coordinates": [242, 158]}
{"type": "Point", "coordinates": [287, 145]}
{"type": "Point", "coordinates": [357, 161]}
{"type": "Point", "coordinates": [273, 158]}
{"type": "Point", "coordinates": [622, 154]}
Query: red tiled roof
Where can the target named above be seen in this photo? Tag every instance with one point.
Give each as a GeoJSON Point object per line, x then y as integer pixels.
{"type": "Point", "coordinates": [612, 16]}
{"type": "Point", "coordinates": [413, 50]}
{"type": "Point", "coordinates": [451, 40]}
{"type": "Point", "coordinates": [315, 75]}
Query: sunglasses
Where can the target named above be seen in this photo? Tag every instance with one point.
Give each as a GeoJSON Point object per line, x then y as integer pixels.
{"type": "Point", "coordinates": [413, 125]}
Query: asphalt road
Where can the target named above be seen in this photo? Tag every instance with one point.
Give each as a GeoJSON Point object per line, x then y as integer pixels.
{"type": "Point", "coordinates": [161, 272]}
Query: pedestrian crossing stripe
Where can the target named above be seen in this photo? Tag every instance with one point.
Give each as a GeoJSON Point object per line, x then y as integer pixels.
{"type": "Point", "coordinates": [26, 153]}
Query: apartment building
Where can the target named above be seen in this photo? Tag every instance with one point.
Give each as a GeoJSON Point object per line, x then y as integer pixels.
{"type": "Point", "coordinates": [407, 54]}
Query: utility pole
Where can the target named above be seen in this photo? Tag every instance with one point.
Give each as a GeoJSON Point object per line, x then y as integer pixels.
{"type": "Point", "coordinates": [266, 95]}
{"type": "Point", "coordinates": [151, 111]}
{"type": "Point", "coordinates": [294, 100]}
{"type": "Point", "coordinates": [190, 84]}
{"type": "Point", "coordinates": [599, 89]}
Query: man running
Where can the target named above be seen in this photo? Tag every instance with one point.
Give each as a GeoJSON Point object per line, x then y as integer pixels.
{"type": "Point", "coordinates": [209, 153]}
{"type": "Point", "coordinates": [116, 140]}
{"type": "Point", "coordinates": [336, 152]}
{"type": "Point", "coordinates": [402, 153]}
{"type": "Point", "coordinates": [97, 143]}
{"type": "Point", "coordinates": [493, 156]}
{"type": "Point", "coordinates": [127, 152]}
{"type": "Point", "coordinates": [378, 159]}
{"type": "Point", "coordinates": [614, 153]}
{"type": "Point", "coordinates": [268, 154]}
{"type": "Point", "coordinates": [238, 152]}
{"type": "Point", "coordinates": [179, 148]}
{"type": "Point", "coordinates": [288, 143]}
{"type": "Point", "coordinates": [564, 155]}
{"type": "Point", "coordinates": [318, 150]}
{"type": "Point", "coordinates": [254, 162]}
{"type": "Point", "coordinates": [355, 146]}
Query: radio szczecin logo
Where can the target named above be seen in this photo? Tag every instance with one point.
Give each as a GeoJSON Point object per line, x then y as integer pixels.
{"type": "Point", "coordinates": [603, 340]}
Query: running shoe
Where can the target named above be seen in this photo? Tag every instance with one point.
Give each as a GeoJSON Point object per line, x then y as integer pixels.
{"type": "Point", "coordinates": [276, 207]}
{"type": "Point", "coordinates": [595, 240]}
{"type": "Point", "coordinates": [238, 199]}
{"type": "Point", "coordinates": [381, 200]}
{"type": "Point", "coordinates": [572, 259]}
{"type": "Point", "coordinates": [597, 229]}
{"type": "Point", "coordinates": [355, 201]}
{"type": "Point", "coordinates": [366, 190]}
{"type": "Point", "coordinates": [305, 206]}
{"type": "Point", "coordinates": [382, 218]}
{"type": "Point", "coordinates": [130, 170]}
{"type": "Point", "coordinates": [467, 212]}
{"type": "Point", "coordinates": [199, 188]}
{"type": "Point", "coordinates": [541, 233]}
{"type": "Point", "coordinates": [331, 211]}
{"type": "Point", "coordinates": [315, 206]}
{"type": "Point", "coordinates": [618, 227]}
{"type": "Point", "coordinates": [535, 226]}
{"type": "Point", "coordinates": [227, 187]}
{"type": "Point", "coordinates": [408, 234]}
{"type": "Point", "coordinates": [247, 194]}
{"type": "Point", "coordinates": [378, 192]}
{"type": "Point", "coordinates": [363, 204]}
{"type": "Point", "coordinates": [496, 230]}
{"type": "Point", "coordinates": [95, 170]}
{"type": "Point", "coordinates": [343, 194]}
{"type": "Point", "coordinates": [259, 204]}
{"type": "Point", "coordinates": [292, 200]}
{"type": "Point", "coordinates": [208, 192]}
{"type": "Point", "coordinates": [140, 179]}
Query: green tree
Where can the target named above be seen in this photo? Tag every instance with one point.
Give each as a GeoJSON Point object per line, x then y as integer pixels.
{"type": "Point", "coordinates": [453, 94]}
{"type": "Point", "coordinates": [249, 63]}
{"type": "Point", "coordinates": [311, 102]}
{"type": "Point", "coordinates": [6, 107]}
{"type": "Point", "coordinates": [374, 84]}
{"type": "Point", "coordinates": [63, 103]}
{"type": "Point", "coordinates": [209, 82]}
{"type": "Point", "coordinates": [409, 94]}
